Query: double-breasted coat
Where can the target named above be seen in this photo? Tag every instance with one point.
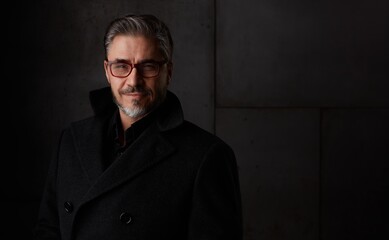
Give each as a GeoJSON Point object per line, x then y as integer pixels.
{"type": "Point", "coordinates": [175, 181]}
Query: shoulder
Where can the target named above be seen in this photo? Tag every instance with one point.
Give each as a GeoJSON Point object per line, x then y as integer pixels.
{"type": "Point", "coordinates": [84, 127]}
{"type": "Point", "coordinates": [189, 135]}
{"type": "Point", "coordinates": [191, 130]}
{"type": "Point", "coordinates": [76, 126]}
{"type": "Point", "coordinates": [88, 123]}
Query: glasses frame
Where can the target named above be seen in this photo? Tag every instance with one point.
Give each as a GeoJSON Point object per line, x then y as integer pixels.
{"type": "Point", "coordinates": [135, 65]}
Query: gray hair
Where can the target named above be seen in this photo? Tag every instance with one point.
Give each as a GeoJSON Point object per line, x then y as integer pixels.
{"type": "Point", "coordinates": [146, 25]}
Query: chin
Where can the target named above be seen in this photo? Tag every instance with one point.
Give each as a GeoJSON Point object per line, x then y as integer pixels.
{"type": "Point", "coordinates": [134, 112]}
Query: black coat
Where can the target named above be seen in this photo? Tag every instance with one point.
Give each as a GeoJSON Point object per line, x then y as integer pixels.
{"type": "Point", "coordinates": [175, 181]}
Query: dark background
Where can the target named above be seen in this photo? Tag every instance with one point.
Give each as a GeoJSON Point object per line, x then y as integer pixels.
{"type": "Point", "coordinates": [299, 89]}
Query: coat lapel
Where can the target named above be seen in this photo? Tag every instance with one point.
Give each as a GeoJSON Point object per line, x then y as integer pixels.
{"type": "Point", "coordinates": [146, 151]}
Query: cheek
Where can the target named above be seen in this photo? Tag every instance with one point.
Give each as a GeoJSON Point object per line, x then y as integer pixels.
{"type": "Point", "coordinates": [157, 86]}
{"type": "Point", "coordinates": [153, 85]}
{"type": "Point", "coordinates": [161, 86]}
{"type": "Point", "coordinates": [116, 86]}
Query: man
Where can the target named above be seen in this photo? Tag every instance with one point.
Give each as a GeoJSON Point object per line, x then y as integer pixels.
{"type": "Point", "coordinates": [137, 169]}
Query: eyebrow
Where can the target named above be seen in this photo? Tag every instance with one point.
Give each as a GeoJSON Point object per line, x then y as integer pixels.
{"type": "Point", "coordinates": [121, 60]}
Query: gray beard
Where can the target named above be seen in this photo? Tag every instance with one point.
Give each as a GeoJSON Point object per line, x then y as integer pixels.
{"type": "Point", "coordinates": [134, 112]}
{"type": "Point", "coordinates": [137, 111]}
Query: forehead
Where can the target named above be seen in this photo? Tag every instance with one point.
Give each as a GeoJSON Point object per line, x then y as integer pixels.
{"type": "Point", "coordinates": [133, 47]}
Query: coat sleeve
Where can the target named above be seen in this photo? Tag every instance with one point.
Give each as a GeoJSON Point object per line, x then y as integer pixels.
{"type": "Point", "coordinates": [47, 225]}
{"type": "Point", "coordinates": [216, 204]}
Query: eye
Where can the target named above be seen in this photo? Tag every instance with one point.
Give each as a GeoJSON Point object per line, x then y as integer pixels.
{"type": "Point", "coordinates": [147, 67]}
{"type": "Point", "coordinates": [121, 66]}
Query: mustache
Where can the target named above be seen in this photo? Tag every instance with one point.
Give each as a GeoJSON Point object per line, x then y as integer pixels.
{"type": "Point", "coordinates": [136, 89]}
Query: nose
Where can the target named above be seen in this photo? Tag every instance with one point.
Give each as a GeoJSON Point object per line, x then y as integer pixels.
{"type": "Point", "coordinates": [135, 78]}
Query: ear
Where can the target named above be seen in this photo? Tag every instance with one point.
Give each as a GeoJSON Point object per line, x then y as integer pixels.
{"type": "Point", "coordinates": [106, 69]}
{"type": "Point", "coordinates": [169, 72]}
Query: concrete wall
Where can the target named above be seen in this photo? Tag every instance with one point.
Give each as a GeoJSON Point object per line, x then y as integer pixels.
{"type": "Point", "coordinates": [299, 89]}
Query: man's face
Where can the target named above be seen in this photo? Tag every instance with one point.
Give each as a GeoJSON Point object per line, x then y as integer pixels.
{"type": "Point", "coordinates": [137, 95]}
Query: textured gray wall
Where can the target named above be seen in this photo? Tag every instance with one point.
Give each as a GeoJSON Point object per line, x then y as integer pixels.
{"type": "Point", "coordinates": [302, 96]}
{"type": "Point", "coordinates": [297, 88]}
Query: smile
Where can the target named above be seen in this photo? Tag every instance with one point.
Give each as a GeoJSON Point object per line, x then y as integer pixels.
{"type": "Point", "coordinates": [136, 94]}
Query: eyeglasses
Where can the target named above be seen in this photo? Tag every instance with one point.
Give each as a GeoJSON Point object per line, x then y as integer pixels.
{"type": "Point", "coordinates": [146, 69]}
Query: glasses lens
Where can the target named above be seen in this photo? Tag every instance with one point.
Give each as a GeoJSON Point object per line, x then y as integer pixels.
{"type": "Point", "coordinates": [149, 69]}
{"type": "Point", "coordinates": [120, 69]}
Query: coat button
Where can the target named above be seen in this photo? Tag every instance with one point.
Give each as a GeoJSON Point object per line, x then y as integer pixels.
{"type": "Point", "coordinates": [68, 207]}
{"type": "Point", "coordinates": [125, 218]}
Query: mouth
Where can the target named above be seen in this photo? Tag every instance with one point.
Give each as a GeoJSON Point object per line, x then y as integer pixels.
{"type": "Point", "coordinates": [137, 96]}
{"type": "Point", "coordinates": [135, 93]}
